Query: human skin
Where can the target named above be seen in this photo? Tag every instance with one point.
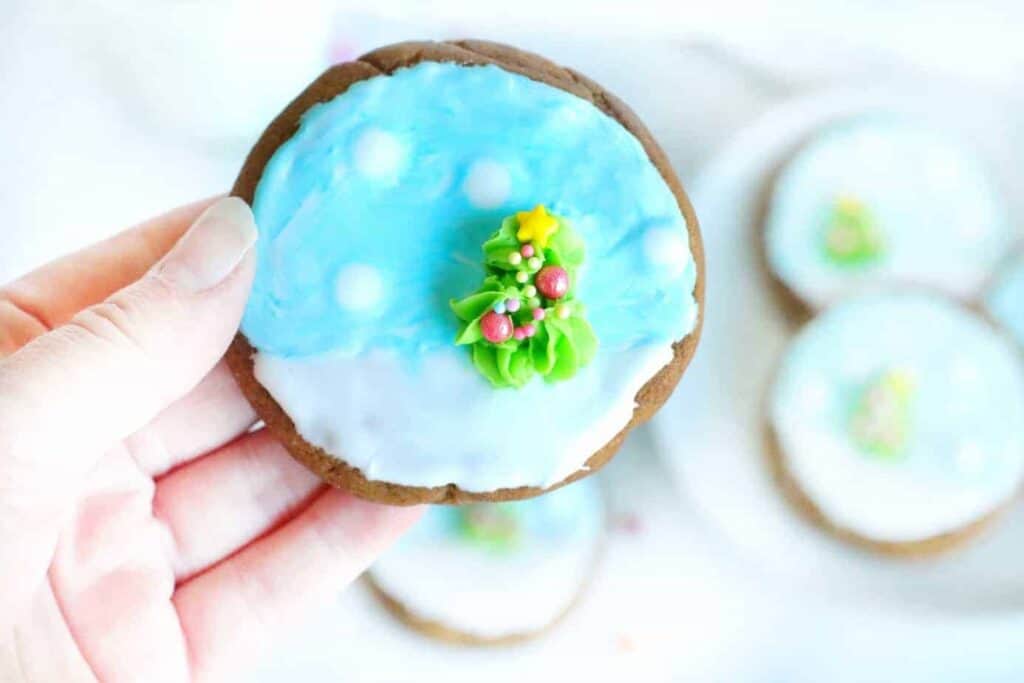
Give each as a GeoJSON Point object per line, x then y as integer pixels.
{"type": "Point", "coordinates": [146, 531]}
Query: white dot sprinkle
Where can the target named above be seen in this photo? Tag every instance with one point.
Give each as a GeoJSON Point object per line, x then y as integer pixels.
{"type": "Point", "coordinates": [488, 184]}
{"type": "Point", "coordinates": [666, 248]}
{"type": "Point", "coordinates": [359, 288]}
{"type": "Point", "coordinates": [378, 154]}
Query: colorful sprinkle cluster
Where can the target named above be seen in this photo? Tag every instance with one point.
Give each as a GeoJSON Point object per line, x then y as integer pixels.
{"type": "Point", "coordinates": [524, 319]}
{"type": "Point", "coordinates": [880, 421]}
{"type": "Point", "coordinates": [496, 526]}
{"type": "Point", "coordinates": [852, 238]}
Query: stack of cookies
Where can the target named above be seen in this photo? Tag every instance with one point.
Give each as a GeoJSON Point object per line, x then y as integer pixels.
{"type": "Point", "coordinates": [896, 416]}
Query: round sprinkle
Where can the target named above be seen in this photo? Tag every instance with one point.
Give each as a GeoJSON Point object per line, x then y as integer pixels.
{"type": "Point", "coordinates": [522, 277]}
{"type": "Point", "coordinates": [519, 333]}
{"type": "Point", "coordinates": [529, 329]}
{"type": "Point", "coordinates": [553, 282]}
{"type": "Point", "coordinates": [499, 307]}
{"type": "Point", "coordinates": [533, 263]}
{"type": "Point", "coordinates": [496, 328]}
{"type": "Point", "coordinates": [530, 290]}
{"type": "Point", "coordinates": [527, 250]}
{"type": "Point", "coordinates": [515, 258]}
{"type": "Point", "coordinates": [562, 311]}
{"type": "Point", "coordinates": [539, 313]}
{"type": "Point", "coordinates": [512, 305]}
{"type": "Point", "coordinates": [533, 302]}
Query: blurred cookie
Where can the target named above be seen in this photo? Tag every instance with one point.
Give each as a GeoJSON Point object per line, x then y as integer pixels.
{"type": "Point", "coordinates": [879, 200]}
{"type": "Point", "coordinates": [895, 421]}
{"type": "Point", "coordinates": [476, 273]}
{"type": "Point", "coordinates": [1004, 300]}
{"type": "Point", "coordinates": [493, 573]}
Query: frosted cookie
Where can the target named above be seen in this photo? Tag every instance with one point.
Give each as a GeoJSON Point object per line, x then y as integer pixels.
{"type": "Point", "coordinates": [1004, 300]}
{"type": "Point", "coordinates": [489, 573]}
{"type": "Point", "coordinates": [895, 421]}
{"type": "Point", "coordinates": [476, 273]}
{"type": "Point", "coordinates": [881, 200]}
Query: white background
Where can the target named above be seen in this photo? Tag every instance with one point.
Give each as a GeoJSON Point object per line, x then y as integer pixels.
{"type": "Point", "coordinates": [113, 110]}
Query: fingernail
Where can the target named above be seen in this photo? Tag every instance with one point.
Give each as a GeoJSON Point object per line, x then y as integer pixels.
{"type": "Point", "coordinates": [212, 248]}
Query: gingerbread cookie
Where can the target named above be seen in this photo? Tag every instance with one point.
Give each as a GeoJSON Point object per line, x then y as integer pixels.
{"type": "Point", "coordinates": [494, 573]}
{"type": "Point", "coordinates": [882, 200]}
{"type": "Point", "coordinates": [894, 421]}
{"type": "Point", "coordinates": [476, 273]}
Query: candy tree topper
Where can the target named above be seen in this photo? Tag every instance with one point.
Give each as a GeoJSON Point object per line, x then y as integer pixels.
{"type": "Point", "coordinates": [525, 320]}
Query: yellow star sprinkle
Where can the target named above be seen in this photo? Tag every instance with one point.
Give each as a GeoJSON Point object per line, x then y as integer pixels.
{"type": "Point", "coordinates": [536, 226]}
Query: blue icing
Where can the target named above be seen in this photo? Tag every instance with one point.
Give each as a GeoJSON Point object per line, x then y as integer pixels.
{"type": "Point", "coordinates": [320, 211]}
{"type": "Point", "coordinates": [573, 511]}
{"type": "Point", "coordinates": [1005, 301]}
{"type": "Point", "coordinates": [939, 217]}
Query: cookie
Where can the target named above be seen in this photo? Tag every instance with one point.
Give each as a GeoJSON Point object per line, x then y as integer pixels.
{"type": "Point", "coordinates": [894, 421]}
{"type": "Point", "coordinates": [881, 200]}
{"type": "Point", "coordinates": [1004, 300]}
{"type": "Point", "coordinates": [494, 573]}
{"type": "Point", "coordinates": [476, 273]}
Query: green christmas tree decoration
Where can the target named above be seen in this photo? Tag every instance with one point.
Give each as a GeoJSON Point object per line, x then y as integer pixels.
{"type": "Point", "coordinates": [880, 420]}
{"type": "Point", "coordinates": [495, 526]}
{"type": "Point", "coordinates": [852, 237]}
{"type": "Point", "coordinates": [525, 320]}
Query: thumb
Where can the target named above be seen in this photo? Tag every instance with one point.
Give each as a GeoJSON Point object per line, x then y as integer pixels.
{"type": "Point", "coordinates": [71, 394]}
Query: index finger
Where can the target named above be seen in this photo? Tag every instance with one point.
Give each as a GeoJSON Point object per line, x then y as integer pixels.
{"type": "Point", "coordinates": [50, 296]}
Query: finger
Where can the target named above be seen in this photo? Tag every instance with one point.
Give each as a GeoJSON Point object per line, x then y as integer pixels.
{"type": "Point", "coordinates": [220, 503]}
{"type": "Point", "coordinates": [211, 415]}
{"type": "Point", "coordinates": [243, 603]}
{"type": "Point", "coordinates": [110, 576]}
{"type": "Point", "coordinates": [41, 647]}
{"type": "Point", "coordinates": [69, 395]}
{"type": "Point", "coordinates": [49, 297]}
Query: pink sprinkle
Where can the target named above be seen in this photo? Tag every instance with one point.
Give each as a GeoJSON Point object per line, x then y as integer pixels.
{"type": "Point", "coordinates": [529, 329]}
{"type": "Point", "coordinates": [538, 314]}
{"type": "Point", "coordinates": [495, 327]}
{"type": "Point", "coordinates": [527, 250]}
{"type": "Point", "coordinates": [519, 333]}
{"type": "Point", "coordinates": [512, 305]}
{"type": "Point", "coordinates": [553, 282]}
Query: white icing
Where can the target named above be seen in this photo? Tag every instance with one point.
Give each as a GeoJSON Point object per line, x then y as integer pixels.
{"type": "Point", "coordinates": [488, 184]}
{"type": "Point", "coordinates": [389, 418]}
{"type": "Point", "coordinates": [965, 454]}
{"type": "Point", "coordinates": [491, 594]}
{"type": "Point", "coordinates": [378, 154]}
{"type": "Point", "coordinates": [359, 288]}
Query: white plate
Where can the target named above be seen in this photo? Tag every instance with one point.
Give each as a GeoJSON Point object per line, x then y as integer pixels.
{"type": "Point", "coordinates": [711, 430]}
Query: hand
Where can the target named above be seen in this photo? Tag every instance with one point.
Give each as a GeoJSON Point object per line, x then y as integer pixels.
{"type": "Point", "coordinates": [145, 532]}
